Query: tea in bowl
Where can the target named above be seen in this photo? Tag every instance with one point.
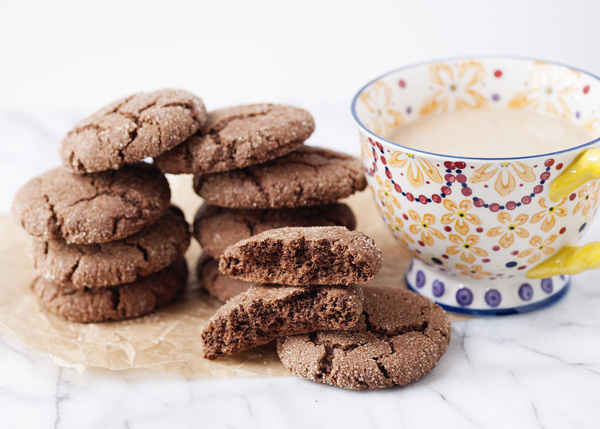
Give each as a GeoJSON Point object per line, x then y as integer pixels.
{"type": "Point", "coordinates": [486, 170]}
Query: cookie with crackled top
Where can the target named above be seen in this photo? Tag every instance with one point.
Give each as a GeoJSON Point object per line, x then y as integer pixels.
{"type": "Point", "coordinates": [307, 176]}
{"type": "Point", "coordinates": [236, 137]}
{"type": "Point", "coordinates": [116, 262]}
{"type": "Point", "coordinates": [92, 208]}
{"type": "Point", "coordinates": [90, 305]}
{"type": "Point", "coordinates": [399, 338]}
{"type": "Point", "coordinates": [131, 129]}
{"type": "Point", "coordinates": [303, 256]}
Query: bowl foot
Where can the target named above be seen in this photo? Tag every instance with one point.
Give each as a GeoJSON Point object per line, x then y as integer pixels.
{"type": "Point", "coordinates": [501, 297]}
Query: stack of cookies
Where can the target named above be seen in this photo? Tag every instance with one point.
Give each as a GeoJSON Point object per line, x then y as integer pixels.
{"type": "Point", "coordinates": [305, 294]}
{"type": "Point", "coordinates": [255, 174]}
{"type": "Point", "coordinates": [107, 244]}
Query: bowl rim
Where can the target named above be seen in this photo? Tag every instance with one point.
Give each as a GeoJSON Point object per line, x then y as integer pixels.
{"type": "Point", "coordinates": [365, 129]}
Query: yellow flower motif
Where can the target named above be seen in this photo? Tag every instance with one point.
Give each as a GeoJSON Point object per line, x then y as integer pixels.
{"type": "Point", "coordinates": [386, 196]}
{"type": "Point", "coordinates": [459, 215]}
{"type": "Point", "coordinates": [417, 169]}
{"type": "Point", "coordinates": [466, 248]}
{"type": "Point", "coordinates": [474, 271]}
{"type": "Point", "coordinates": [539, 247]}
{"type": "Point", "coordinates": [589, 198]}
{"type": "Point", "coordinates": [505, 182]}
{"type": "Point", "coordinates": [455, 88]}
{"type": "Point", "coordinates": [551, 87]}
{"type": "Point", "coordinates": [424, 227]}
{"type": "Point", "coordinates": [395, 226]}
{"type": "Point", "coordinates": [548, 214]}
{"type": "Point", "coordinates": [377, 101]}
{"type": "Point", "coordinates": [510, 228]}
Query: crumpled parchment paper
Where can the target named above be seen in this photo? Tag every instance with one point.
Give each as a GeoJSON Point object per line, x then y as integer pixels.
{"type": "Point", "coordinates": [169, 339]}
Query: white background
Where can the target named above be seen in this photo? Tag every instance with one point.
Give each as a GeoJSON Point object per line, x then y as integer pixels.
{"type": "Point", "coordinates": [60, 60]}
{"type": "Point", "coordinates": [60, 54]}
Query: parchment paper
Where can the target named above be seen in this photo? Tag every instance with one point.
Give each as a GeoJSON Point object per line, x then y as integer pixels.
{"type": "Point", "coordinates": [167, 340]}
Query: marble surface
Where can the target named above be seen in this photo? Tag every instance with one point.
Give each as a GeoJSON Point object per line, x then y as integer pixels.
{"type": "Point", "coordinates": [535, 370]}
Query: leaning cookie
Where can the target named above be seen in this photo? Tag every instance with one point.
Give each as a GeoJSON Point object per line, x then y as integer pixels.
{"type": "Point", "coordinates": [237, 137]}
{"type": "Point", "coordinates": [217, 228]}
{"type": "Point", "coordinates": [92, 208]}
{"type": "Point", "coordinates": [304, 256]}
{"type": "Point", "coordinates": [400, 337]}
{"type": "Point", "coordinates": [307, 176]}
{"type": "Point", "coordinates": [116, 262]}
{"type": "Point", "coordinates": [216, 284]}
{"type": "Point", "coordinates": [131, 129]}
{"type": "Point", "coordinates": [112, 303]}
{"type": "Point", "coordinates": [265, 312]}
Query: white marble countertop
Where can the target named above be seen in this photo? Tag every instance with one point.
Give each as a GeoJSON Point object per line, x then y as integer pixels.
{"type": "Point", "coordinates": [535, 370]}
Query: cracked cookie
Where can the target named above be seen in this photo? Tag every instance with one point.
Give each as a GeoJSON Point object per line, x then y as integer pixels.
{"type": "Point", "coordinates": [217, 228]}
{"type": "Point", "coordinates": [307, 176]}
{"type": "Point", "coordinates": [104, 304]}
{"type": "Point", "coordinates": [265, 312]}
{"type": "Point", "coordinates": [92, 208]}
{"type": "Point", "coordinates": [131, 129]}
{"type": "Point", "coordinates": [237, 137]}
{"type": "Point", "coordinates": [117, 262]}
{"type": "Point", "coordinates": [399, 337]}
{"type": "Point", "coordinates": [216, 284]}
{"type": "Point", "coordinates": [304, 256]}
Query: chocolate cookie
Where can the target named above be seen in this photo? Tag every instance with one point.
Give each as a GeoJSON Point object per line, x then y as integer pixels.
{"type": "Point", "coordinates": [237, 137]}
{"type": "Point", "coordinates": [132, 129]}
{"type": "Point", "coordinates": [115, 302]}
{"type": "Point", "coordinates": [93, 208]}
{"type": "Point", "coordinates": [307, 176]}
{"type": "Point", "coordinates": [217, 228]}
{"type": "Point", "coordinates": [265, 312]}
{"type": "Point", "coordinates": [304, 256]}
{"type": "Point", "coordinates": [400, 337]}
{"type": "Point", "coordinates": [216, 284]}
{"type": "Point", "coordinates": [116, 262]}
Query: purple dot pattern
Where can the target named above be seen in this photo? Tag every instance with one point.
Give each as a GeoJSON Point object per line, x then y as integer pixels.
{"type": "Point", "coordinates": [493, 297]}
{"type": "Point", "coordinates": [438, 288]}
{"type": "Point", "coordinates": [547, 285]}
{"type": "Point", "coordinates": [420, 279]}
{"type": "Point", "coordinates": [464, 296]}
{"type": "Point", "coordinates": [480, 295]}
{"type": "Point", "coordinates": [526, 292]}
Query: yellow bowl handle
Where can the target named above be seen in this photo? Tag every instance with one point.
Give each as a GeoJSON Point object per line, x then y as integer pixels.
{"type": "Point", "coordinates": [584, 168]}
{"type": "Point", "coordinates": [568, 260]}
{"type": "Point", "coordinates": [572, 259]}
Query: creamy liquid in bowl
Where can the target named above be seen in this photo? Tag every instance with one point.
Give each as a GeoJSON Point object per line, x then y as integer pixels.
{"type": "Point", "coordinates": [490, 133]}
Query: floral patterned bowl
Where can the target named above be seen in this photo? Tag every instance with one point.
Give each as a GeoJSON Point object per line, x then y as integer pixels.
{"type": "Point", "coordinates": [489, 236]}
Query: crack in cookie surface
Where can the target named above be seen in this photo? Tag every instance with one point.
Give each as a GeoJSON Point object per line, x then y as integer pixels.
{"type": "Point", "coordinates": [399, 337]}
{"type": "Point", "coordinates": [131, 129]}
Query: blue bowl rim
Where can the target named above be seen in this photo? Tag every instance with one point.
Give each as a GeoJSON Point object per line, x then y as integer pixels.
{"type": "Point", "coordinates": [458, 58]}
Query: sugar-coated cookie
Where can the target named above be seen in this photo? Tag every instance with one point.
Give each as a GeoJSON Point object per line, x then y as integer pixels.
{"type": "Point", "coordinates": [116, 262]}
{"type": "Point", "coordinates": [92, 208]}
{"type": "Point", "coordinates": [103, 304]}
{"type": "Point", "coordinates": [307, 176]}
{"type": "Point", "coordinates": [131, 129]}
{"type": "Point", "coordinates": [237, 137]}
{"type": "Point", "coordinates": [400, 337]}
